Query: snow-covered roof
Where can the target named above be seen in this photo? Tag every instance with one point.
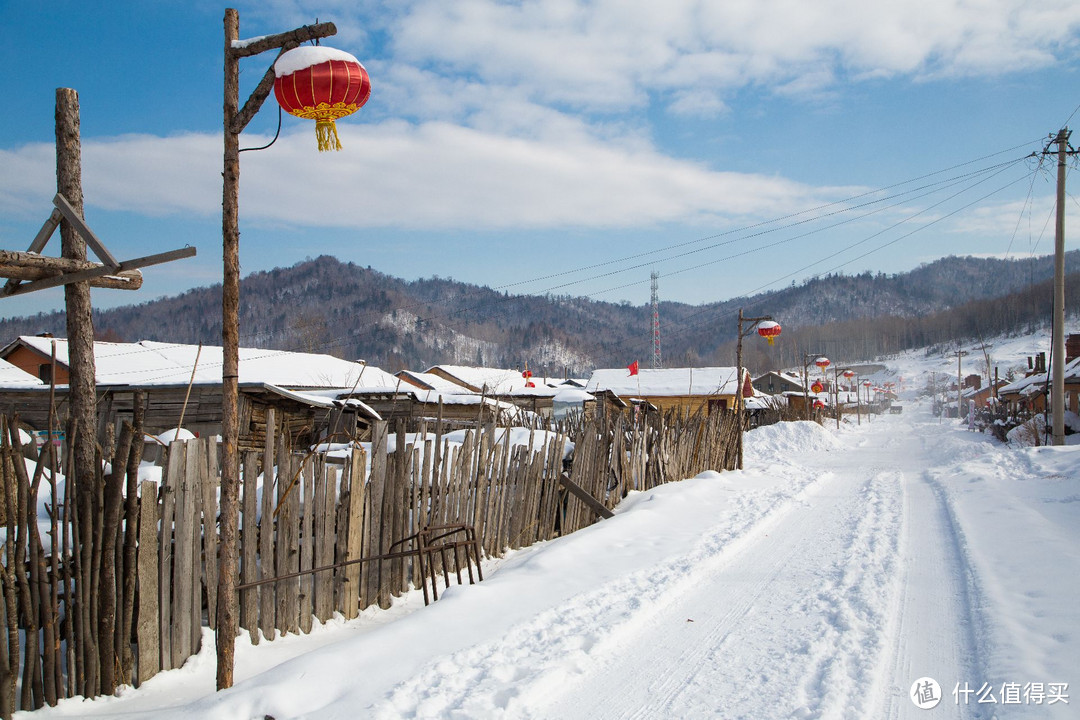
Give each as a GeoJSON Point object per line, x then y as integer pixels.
{"type": "Point", "coordinates": [430, 396]}
{"type": "Point", "coordinates": [1037, 382]}
{"type": "Point", "coordinates": [498, 381]}
{"type": "Point", "coordinates": [149, 363]}
{"type": "Point", "coordinates": [571, 394]}
{"type": "Point", "coordinates": [13, 376]}
{"type": "Point", "coordinates": [666, 382]}
{"type": "Point", "coordinates": [784, 374]}
{"type": "Point", "coordinates": [433, 381]}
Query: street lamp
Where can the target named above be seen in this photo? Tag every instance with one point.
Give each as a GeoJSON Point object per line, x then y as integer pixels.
{"type": "Point", "coordinates": [772, 330]}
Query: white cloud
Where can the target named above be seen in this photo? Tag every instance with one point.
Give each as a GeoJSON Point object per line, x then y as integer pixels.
{"type": "Point", "coordinates": [608, 55]}
{"type": "Point", "coordinates": [698, 103]}
{"type": "Point", "coordinates": [431, 175]}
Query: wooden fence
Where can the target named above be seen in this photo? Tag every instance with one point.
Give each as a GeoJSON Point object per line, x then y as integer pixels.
{"type": "Point", "coordinates": [127, 580]}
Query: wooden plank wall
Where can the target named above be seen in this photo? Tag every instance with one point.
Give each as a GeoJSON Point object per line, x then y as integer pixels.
{"type": "Point", "coordinates": [302, 512]}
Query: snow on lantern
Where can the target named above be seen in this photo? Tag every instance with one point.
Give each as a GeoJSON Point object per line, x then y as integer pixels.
{"type": "Point", "coordinates": [849, 374]}
{"type": "Point", "coordinates": [321, 84]}
{"type": "Point", "coordinates": [822, 362]}
{"type": "Point", "coordinates": [768, 329]}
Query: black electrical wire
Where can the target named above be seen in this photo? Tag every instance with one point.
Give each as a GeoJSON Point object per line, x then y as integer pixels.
{"type": "Point", "coordinates": [278, 132]}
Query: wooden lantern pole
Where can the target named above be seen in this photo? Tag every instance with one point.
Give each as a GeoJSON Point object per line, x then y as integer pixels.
{"type": "Point", "coordinates": [235, 120]}
{"type": "Point", "coordinates": [754, 321]}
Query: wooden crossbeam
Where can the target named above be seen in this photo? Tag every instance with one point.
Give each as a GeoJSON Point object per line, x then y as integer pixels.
{"type": "Point", "coordinates": [98, 272]}
{"type": "Point", "coordinates": [27, 266]}
{"type": "Point", "coordinates": [581, 494]}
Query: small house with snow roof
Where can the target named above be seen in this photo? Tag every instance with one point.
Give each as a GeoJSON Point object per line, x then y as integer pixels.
{"type": "Point", "coordinates": [527, 391]}
{"type": "Point", "coordinates": [777, 383]}
{"type": "Point", "coordinates": [705, 389]}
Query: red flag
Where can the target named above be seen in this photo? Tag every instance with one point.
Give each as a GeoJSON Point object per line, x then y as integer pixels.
{"type": "Point", "coordinates": [633, 368]}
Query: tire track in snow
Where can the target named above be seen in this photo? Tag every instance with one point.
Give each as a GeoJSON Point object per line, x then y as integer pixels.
{"type": "Point", "coordinates": [936, 631]}
{"type": "Point", "coordinates": [855, 607]}
{"type": "Point", "coordinates": [933, 628]}
{"type": "Point", "coordinates": [785, 628]}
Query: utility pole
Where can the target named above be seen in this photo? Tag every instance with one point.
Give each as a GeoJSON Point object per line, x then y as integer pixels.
{"type": "Point", "coordinates": [1057, 358]}
{"type": "Point", "coordinates": [657, 360]}
{"type": "Point", "coordinates": [959, 386]}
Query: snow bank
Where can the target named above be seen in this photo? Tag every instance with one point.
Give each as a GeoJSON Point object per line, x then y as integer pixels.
{"type": "Point", "coordinates": [789, 437]}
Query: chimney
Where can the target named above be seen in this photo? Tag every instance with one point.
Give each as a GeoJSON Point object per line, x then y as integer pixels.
{"type": "Point", "coordinates": [1072, 347]}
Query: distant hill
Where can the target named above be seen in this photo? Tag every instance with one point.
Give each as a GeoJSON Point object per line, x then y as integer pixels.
{"type": "Point", "coordinates": [325, 305]}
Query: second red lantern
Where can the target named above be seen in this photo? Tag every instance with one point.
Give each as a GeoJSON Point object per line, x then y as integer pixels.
{"type": "Point", "coordinates": [769, 329]}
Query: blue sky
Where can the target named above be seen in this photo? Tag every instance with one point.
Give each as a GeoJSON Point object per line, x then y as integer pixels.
{"type": "Point", "coordinates": [559, 146]}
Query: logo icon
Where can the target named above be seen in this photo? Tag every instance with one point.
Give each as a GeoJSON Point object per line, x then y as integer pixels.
{"type": "Point", "coordinates": [925, 693]}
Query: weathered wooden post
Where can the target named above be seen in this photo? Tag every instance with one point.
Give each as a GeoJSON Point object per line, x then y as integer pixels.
{"type": "Point", "coordinates": [82, 390]}
{"type": "Point", "coordinates": [235, 120]}
{"type": "Point", "coordinates": [754, 322]}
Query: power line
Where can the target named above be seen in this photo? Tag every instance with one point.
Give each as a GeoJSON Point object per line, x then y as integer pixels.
{"type": "Point", "coordinates": [832, 209]}
{"type": "Point", "coordinates": [838, 208]}
{"type": "Point", "coordinates": [687, 328]}
{"type": "Point", "coordinates": [842, 204]}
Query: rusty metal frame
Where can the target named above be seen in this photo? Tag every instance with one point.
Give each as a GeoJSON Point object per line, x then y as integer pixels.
{"type": "Point", "coordinates": [441, 539]}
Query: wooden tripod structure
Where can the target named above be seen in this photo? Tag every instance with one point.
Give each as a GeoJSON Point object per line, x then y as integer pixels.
{"type": "Point", "coordinates": [45, 272]}
{"type": "Point", "coordinates": [30, 271]}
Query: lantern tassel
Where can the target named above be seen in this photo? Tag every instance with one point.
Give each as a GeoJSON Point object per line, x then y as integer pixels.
{"type": "Point", "coordinates": [326, 134]}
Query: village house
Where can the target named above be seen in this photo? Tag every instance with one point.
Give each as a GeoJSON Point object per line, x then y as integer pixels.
{"type": "Point", "coordinates": [775, 383]}
{"type": "Point", "coordinates": [181, 385]}
{"type": "Point", "coordinates": [403, 401]}
{"type": "Point", "coordinates": [707, 389]}
{"type": "Point", "coordinates": [520, 387]}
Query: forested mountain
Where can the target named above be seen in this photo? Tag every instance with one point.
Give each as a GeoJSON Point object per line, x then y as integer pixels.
{"type": "Point", "coordinates": [324, 305]}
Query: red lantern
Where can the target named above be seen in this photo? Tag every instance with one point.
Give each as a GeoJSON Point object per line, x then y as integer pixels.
{"type": "Point", "coordinates": [321, 84]}
{"type": "Point", "coordinates": [768, 330]}
{"type": "Point", "coordinates": [849, 374]}
{"type": "Point", "coordinates": [817, 387]}
{"type": "Point", "coordinates": [822, 362]}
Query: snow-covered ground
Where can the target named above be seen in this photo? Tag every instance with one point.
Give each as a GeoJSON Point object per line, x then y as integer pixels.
{"type": "Point", "coordinates": [830, 579]}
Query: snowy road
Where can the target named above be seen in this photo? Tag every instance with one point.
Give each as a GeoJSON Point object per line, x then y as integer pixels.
{"type": "Point", "coordinates": [829, 603]}
{"type": "Point", "coordinates": [821, 582]}
{"type": "Point", "coordinates": [829, 607]}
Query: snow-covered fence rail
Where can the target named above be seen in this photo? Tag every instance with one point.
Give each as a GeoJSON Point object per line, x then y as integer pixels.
{"type": "Point", "coordinates": [133, 579]}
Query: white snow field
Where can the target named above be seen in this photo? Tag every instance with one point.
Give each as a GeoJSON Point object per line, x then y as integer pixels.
{"type": "Point", "coordinates": [824, 581]}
